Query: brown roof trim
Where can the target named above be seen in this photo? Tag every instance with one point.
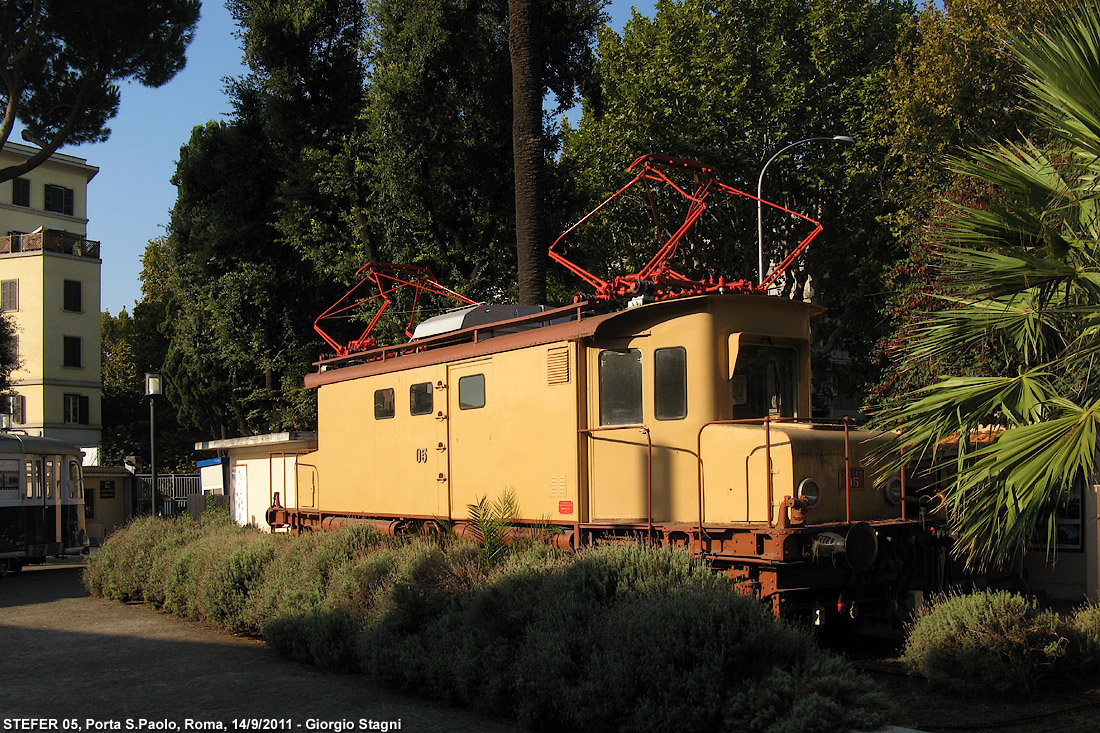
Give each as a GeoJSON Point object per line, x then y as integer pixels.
{"type": "Point", "coordinates": [397, 361]}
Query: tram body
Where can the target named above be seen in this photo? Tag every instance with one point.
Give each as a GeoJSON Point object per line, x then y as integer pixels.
{"type": "Point", "coordinates": [41, 500]}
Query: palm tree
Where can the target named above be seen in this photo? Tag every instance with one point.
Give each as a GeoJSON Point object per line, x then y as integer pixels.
{"type": "Point", "coordinates": [1024, 269]}
{"type": "Point", "coordinates": [527, 149]}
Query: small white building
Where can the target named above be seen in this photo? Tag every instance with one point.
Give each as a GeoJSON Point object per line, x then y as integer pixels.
{"type": "Point", "coordinates": [252, 470]}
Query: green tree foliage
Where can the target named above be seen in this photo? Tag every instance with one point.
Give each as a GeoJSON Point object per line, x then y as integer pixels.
{"type": "Point", "coordinates": [954, 87]}
{"type": "Point", "coordinates": [239, 301]}
{"type": "Point", "coordinates": [254, 197]}
{"type": "Point", "coordinates": [729, 83]}
{"type": "Point", "coordinates": [1022, 262]}
{"type": "Point", "coordinates": [307, 67]}
{"type": "Point", "coordinates": [133, 346]}
{"type": "Point", "coordinates": [61, 64]}
{"type": "Point", "coordinates": [438, 131]}
{"type": "Point", "coordinates": [957, 86]}
{"type": "Point", "coordinates": [9, 359]}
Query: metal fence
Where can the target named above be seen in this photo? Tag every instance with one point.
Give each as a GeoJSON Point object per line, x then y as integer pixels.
{"type": "Point", "coordinates": [172, 492]}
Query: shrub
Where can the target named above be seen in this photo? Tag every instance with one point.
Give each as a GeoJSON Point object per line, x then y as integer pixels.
{"type": "Point", "coordinates": [1085, 624]}
{"type": "Point", "coordinates": [991, 641]}
{"type": "Point", "coordinates": [615, 638]}
{"type": "Point", "coordinates": [699, 657]}
{"type": "Point", "coordinates": [231, 578]}
{"type": "Point", "coordinates": [121, 569]}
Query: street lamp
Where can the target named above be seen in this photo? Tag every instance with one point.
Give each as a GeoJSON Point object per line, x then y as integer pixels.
{"type": "Point", "coordinates": [152, 391]}
{"type": "Point", "coordinates": [759, 194]}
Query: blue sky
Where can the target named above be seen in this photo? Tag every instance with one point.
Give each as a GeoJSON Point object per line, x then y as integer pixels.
{"type": "Point", "coordinates": [130, 197]}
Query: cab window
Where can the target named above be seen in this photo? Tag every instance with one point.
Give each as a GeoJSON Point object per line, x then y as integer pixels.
{"type": "Point", "coordinates": [763, 383]}
{"type": "Point", "coordinates": [621, 387]}
{"type": "Point", "coordinates": [670, 383]}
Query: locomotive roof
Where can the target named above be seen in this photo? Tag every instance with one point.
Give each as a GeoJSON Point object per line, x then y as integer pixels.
{"type": "Point", "coordinates": [532, 330]}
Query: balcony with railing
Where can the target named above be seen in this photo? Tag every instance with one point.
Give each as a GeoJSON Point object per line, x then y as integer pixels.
{"type": "Point", "coordinates": [50, 240]}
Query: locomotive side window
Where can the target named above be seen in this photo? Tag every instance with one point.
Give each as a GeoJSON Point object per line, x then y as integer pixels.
{"type": "Point", "coordinates": [764, 382]}
{"type": "Point", "coordinates": [471, 392]}
{"type": "Point", "coordinates": [670, 383]}
{"type": "Point", "coordinates": [420, 399]}
{"type": "Point", "coordinates": [383, 404]}
{"type": "Point", "coordinates": [621, 387]}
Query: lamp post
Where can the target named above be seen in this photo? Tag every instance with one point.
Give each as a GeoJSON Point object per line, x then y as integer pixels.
{"type": "Point", "coordinates": [759, 189]}
{"type": "Point", "coordinates": [152, 391]}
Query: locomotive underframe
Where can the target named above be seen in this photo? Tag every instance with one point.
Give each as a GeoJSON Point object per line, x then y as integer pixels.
{"type": "Point", "coordinates": [778, 564]}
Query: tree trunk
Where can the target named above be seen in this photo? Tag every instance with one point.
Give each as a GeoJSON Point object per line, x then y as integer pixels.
{"type": "Point", "coordinates": [527, 153]}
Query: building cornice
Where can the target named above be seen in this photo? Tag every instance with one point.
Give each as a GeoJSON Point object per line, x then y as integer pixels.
{"type": "Point", "coordinates": [61, 159]}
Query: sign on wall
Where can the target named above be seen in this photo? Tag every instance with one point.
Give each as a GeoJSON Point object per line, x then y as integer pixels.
{"type": "Point", "coordinates": [240, 494]}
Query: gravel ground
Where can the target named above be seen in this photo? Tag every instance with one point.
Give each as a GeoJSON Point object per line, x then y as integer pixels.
{"type": "Point", "coordinates": [69, 661]}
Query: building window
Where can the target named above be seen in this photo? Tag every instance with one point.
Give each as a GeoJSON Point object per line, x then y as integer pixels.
{"type": "Point", "coordinates": [621, 387]}
{"type": "Point", "coordinates": [383, 404]}
{"type": "Point", "coordinates": [9, 295]}
{"type": "Point", "coordinates": [59, 199]}
{"type": "Point", "coordinates": [670, 383]}
{"type": "Point", "coordinates": [420, 399]}
{"type": "Point", "coordinates": [76, 409]}
{"type": "Point", "coordinates": [72, 296]}
{"type": "Point", "coordinates": [14, 405]}
{"type": "Point", "coordinates": [21, 192]}
{"type": "Point", "coordinates": [89, 503]}
{"type": "Point", "coordinates": [72, 352]}
{"type": "Point", "coordinates": [471, 392]}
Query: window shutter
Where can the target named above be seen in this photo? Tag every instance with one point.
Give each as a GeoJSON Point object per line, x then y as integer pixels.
{"type": "Point", "coordinates": [85, 405]}
{"type": "Point", "coordinates": [9, 295]}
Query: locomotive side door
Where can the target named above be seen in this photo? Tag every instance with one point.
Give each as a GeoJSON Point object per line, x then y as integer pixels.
{"type": "Point", "coordinates": [419, 437]}
{"type": "Point", "coordinates": [472, 440]}
{"type": "Point", "coordinates": [617, 445]}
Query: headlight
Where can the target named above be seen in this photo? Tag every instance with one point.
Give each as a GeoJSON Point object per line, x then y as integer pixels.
{"type": "Point", "coordinates": [892, 491]}
{"type": "Point", "coordinates": [809, 492]}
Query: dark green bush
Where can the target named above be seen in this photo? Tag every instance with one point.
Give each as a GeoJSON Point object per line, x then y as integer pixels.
{"type": "Point", "coordinates": [992, 641]}
{"type": "Point", "coordinates": [225, 593]}
{"type": "Point", "coordinates": [618, 638]}
{"type": "Point", "coordinates": [121, 569]}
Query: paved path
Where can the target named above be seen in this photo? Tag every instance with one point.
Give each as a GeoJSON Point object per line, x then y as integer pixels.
{"type": "Point", "coordinates": [65, 656]}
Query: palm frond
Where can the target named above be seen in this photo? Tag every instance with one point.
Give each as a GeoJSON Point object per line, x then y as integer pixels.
{"type": "Point", "coordinates": [1064, 78]}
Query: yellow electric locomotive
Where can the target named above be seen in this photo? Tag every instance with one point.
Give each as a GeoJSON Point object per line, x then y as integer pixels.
{"type": "Point", "coordinates": [684, 420]}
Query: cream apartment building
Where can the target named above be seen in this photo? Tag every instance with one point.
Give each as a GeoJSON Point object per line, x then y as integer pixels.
{"type": "Point", "coordinates": [50, 288]}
